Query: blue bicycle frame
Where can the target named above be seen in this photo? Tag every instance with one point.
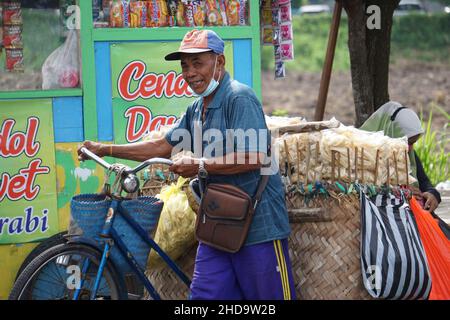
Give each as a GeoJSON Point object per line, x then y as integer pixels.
{"type": "Point", "coordinates": [111, 237]}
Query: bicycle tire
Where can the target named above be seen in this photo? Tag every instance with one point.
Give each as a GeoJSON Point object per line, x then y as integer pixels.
{"type": "Point", "coordinates": [23, 287]}
{"type": "Point", "coordinates": [48, 243]}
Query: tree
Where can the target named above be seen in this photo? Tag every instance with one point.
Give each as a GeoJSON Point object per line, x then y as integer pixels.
{"type": "Point", "coordinates": [369, 25]}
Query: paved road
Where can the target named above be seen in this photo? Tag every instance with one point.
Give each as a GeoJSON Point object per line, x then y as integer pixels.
{"type": "Point", "coordinates": [443, 211]}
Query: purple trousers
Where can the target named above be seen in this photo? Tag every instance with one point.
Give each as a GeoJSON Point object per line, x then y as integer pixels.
{"type": "Point", "coordinates": [256, 272]}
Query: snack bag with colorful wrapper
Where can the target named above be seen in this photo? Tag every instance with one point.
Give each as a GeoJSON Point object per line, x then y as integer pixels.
{"type": "Point", "coordinates": [188, 13]}
{"type": "Point", "coordinates": [286, 31]}
{"type": "Point", "coordinates": [287, 51]}
{"type": "Point", "coordinates": [158, 13]}
{"type": "Point", "coordinates": [223, 11]}
{"type": "Point", "coordinates": [172, 7]}
{"type": "Point", "coordinates": [164, 14]}
{"type": "Point", "coordinates": [285, 12]}
{"type": "Point", "coordinates": [232, 8]}
{"type": "Point", "coordinates": [267, 36]}
{"type": "Point", "coordinates": [116, 14]}
{"type": "Point", "coordinates": [126, 13]}
{"type": "Point", "coordinates": [180, 15]}
{"type": "Point", "coordinates": [138, 14]}
{"type": "Point", "coordinates": [198, 11]}
{"type": "Point", "coordinates": [12, 13]}
{"type": "Point", "coordinates": [242, 13]}
{"type": "Point", "coordinates": [213, 15]}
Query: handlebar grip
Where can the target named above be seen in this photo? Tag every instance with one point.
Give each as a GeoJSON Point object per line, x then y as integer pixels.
{"type": "Point", "coordinates": [96, 158]}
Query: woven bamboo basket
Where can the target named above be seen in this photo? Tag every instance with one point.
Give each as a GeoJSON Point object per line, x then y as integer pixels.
{"type": "Point", "coordinates": [324, 247]}
{"type": "Point", "coordinates": [167, 283]}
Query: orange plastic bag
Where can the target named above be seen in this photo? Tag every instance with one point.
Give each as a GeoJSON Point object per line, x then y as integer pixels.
{"type": "Point", "coordinates": [437, 250]}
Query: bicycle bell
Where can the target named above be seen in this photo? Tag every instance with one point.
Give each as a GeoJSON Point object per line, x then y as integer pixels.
{"type": "Point", "coordinates": [131, 183]}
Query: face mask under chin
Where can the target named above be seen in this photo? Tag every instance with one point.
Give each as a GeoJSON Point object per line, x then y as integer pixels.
{"type": "Point", "coordinates": [213, 84]}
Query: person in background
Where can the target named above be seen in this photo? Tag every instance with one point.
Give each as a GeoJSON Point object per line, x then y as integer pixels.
{"type": "Point", "coordinates": [398, 121]}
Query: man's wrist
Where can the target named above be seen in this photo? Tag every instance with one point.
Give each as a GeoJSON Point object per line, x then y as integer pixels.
{"type": "Point", "coordinates": [105, 150]}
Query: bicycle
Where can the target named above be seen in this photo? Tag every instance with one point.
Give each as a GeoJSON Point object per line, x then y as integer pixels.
{"type": "Point", "coordinates": [82, 268]}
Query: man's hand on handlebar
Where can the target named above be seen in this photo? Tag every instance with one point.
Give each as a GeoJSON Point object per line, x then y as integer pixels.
{"type": "Point", "coordinates": [185, 166]}
{"type": "Point", "coordinates": [98, 148]}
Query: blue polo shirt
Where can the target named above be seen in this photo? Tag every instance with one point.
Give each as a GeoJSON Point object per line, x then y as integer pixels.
{"type": "Point", "coordinates": [235, 106]}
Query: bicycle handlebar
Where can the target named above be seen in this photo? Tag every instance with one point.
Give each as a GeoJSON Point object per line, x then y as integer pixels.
{"type": "Point", "coordinates": [139, 167]}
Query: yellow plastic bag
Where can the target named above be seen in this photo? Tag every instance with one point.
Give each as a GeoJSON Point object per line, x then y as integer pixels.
{"type": "Point", "coordinates": [175, 232]}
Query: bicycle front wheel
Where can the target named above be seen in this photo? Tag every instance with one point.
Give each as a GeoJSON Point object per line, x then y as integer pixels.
{"type": "Point", "coordinates": [65, 272]}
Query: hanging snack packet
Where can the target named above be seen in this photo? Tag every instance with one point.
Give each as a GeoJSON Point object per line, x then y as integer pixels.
{"type": "Point", "coordinates": [214, 17]}
{"type": "Point", "coordinates": [172, 7]}
{"type": "Point", "coordinates": [181, 16]}
{"type": "Point", "coordinates": [106, 8]}
{"type": "Point", "coordinates": [189, 13]}
{"type": "Point", "coordinates": [164, 15]}
{"type": "Point", "coordinates": [116, 14]}
{"type": "Point", "coordinates": [158, 13]}
{"type": "Point", "coordinates": [276, 17]}
{"type": "Point", "coordinates": [267, 35]}
{"type": "Point", "coordinates": [280, 70]}
{"type": "Point", "coordinates": [286, 31]}
{"type": "Point", "coordinates": [12, 13]}
{"type": "Point", "coordinates": [138, 14]}
{"type": "Point", "coordinates": [126, 13]}
{"type": "Point", "coordinates": [285, 12]}
{"type": "Point", "coordinates": [242, 13]}
{"type": "Point", "coordinates": [276, 41]}
{"type": "Point", "coordinates": [266, 17]}
{"type": "Point", "coordinates": [198, 12]}
{"type": "Point", "coordinates": [232, 9]}
{"type": "Point", "coordinates": [266, 4]}
{"type": "Point", "coordinates": [12, 37]}
{"type": "Point", "coordinates": [287, 51]}
{"type": "Point", "coordinates": [277, 52]}
{"type": "Point", "coordinates": [14, 60]}
{"type": "Point", "coordinates": [223, 12]}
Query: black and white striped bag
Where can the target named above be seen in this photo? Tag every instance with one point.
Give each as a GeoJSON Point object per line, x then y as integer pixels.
{"type": "Point", "coordinates": [393, 261]}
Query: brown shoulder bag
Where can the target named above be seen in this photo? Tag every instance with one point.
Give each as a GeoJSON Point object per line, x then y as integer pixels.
{"type": "Point", "coordinates": [225, 215]}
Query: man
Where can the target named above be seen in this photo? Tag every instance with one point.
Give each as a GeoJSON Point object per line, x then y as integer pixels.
{"type": "Point", "coordinates": [261, 268]}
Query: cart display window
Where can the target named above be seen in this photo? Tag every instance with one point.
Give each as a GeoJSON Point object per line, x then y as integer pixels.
{"type": "Point", "coordinates": [169, 13]}
{"type": "Point", "coordinates": [39, 45]}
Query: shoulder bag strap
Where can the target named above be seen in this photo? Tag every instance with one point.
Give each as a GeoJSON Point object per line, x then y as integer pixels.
{"type": "Point", "coordinates": [261, 186]}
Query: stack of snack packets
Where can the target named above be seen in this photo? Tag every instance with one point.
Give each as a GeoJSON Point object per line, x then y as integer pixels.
{"type": "Point", "coordinates": [287, 45]}
{"type": "Point", "coordinates": [282, 35]}
{"type": "Point", "coordinates": [266, 23]}
{"type": "Point", "coordinates": [276, 39]}
{"type": "Point", "coordinates": [12, 35]}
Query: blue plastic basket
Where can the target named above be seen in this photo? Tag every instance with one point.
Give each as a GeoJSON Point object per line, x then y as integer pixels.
{"type": "Point", "coordinates": [88, 214]}
{"type": "Point", "coordinates": [146, 212]}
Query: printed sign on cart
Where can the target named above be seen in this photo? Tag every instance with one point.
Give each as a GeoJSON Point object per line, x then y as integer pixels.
{"type": "Point", "coordinates": [28, 208]}
{"type": "Point", "coordinates": [148, 91]}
